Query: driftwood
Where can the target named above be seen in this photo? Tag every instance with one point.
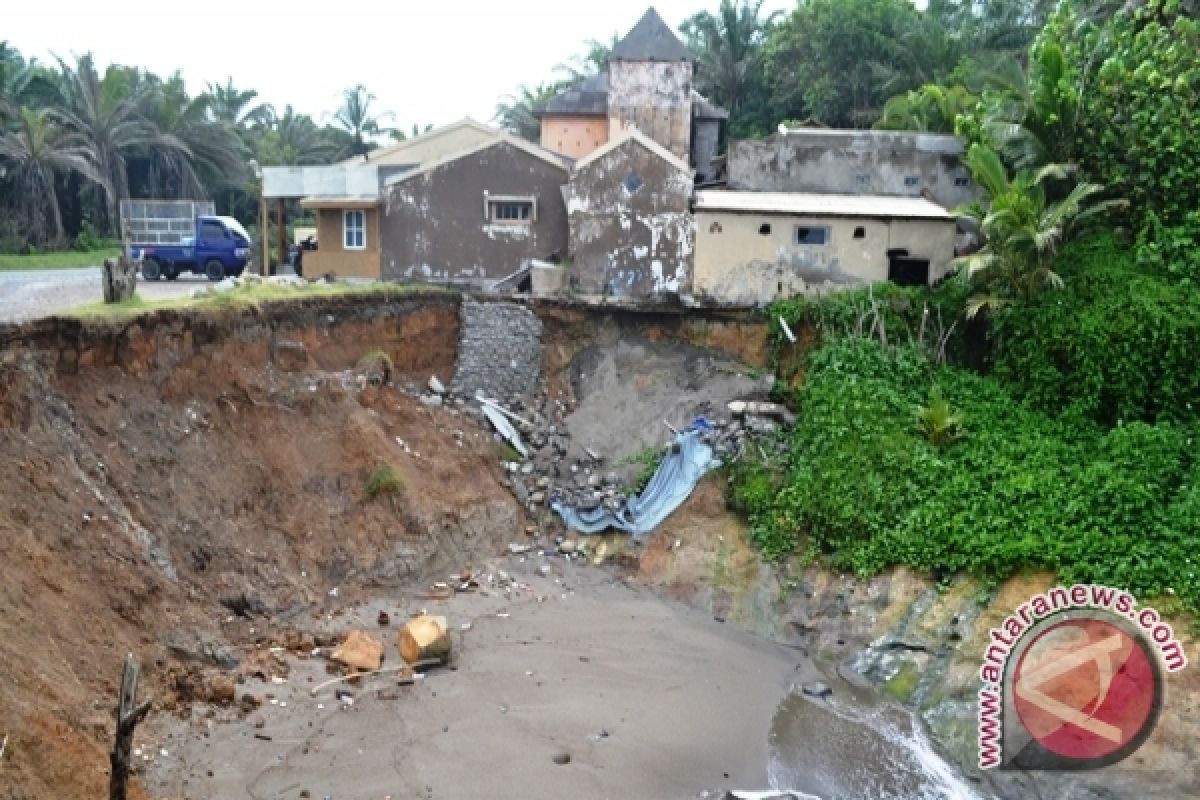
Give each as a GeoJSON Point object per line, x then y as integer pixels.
{"type": "Point", "coordinates": [128, 716]}
{"type": "Point", "coordinates": [119, 279]}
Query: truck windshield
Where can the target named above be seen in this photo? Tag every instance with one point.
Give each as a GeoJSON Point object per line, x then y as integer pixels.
{"type": "Point", "coordinates": [235, 227]}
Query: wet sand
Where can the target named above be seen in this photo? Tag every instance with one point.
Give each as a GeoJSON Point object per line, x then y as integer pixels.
{"type": "Point", "coordinates": [648, 699]}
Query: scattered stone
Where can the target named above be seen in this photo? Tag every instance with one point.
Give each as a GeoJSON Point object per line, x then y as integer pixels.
{"type": "Point", "coordinates": [562, 758]}
{"type": "Point", "coordinates": [222, 690]}
{"type": "Point", "coordinates": [289, 355]}
{"type": "Point", "coordinates": [435, 385]}
{"type": "Point", "coordinates": [567, 547]}
{"type": "Point", "coordinates": [516, 549]}
{"type": "Point", "coordinates": [360, 651]}
{"type": "Point", "coordinates": [537, 498]}
{"type": "Point", "coordinates": [383, 619]}
{"type": "Point", "coordinates": [817, 689]}
{"type": "Point", "coordinates": [544, 570]}
{"type": "Point", "coordinates": [431, 400]}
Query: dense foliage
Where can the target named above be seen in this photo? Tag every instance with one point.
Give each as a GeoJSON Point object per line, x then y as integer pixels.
{"type": "Point", "coordinates": [1015, 489]}
{"type": "Point", "coordinates": [1119, 343]}
{"type": "Point", "coordinates": [76, 139]}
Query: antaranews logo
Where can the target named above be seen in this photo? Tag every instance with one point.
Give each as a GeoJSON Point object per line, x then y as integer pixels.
{"type": "Point", "coordinates": [1073, 679]}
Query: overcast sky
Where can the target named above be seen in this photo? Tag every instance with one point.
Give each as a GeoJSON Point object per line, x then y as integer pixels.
{"type": "Point", "coordinates": [432, 61]}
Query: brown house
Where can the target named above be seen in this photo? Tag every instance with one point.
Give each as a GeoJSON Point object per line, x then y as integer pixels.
{"type": "Point", "coordinates": [348, 236]}
{"type": "Point", "coordinates": [630, 229]}
{"type": "Point", "coordinates": [475, 216]}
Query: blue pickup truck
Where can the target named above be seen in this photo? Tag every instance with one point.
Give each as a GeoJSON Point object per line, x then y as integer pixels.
{"type": "Point", "coordinates": [218, 247]}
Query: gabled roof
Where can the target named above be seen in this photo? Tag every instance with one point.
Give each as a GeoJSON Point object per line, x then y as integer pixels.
{"type": "Point", "coordinates": [650, 40]}
{"type": "Point", "coordinates": [498, 138]}
{"type": "Point", "coordinates": [430, 145]}
{"type": "Point", "coordinates": [821, 205]}
{"type": "Point", "coordinates": [633, 134]}
{"type": "Point", "coordinates": [588, 98]}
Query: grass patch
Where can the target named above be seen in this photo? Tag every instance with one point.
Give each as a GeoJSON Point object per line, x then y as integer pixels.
{"type": "Point", "coordinates": [650, 460]}
{"type": "Point", "coordinates": [506, 452]}
{"type": "Point", "coordinates": [902, 685]}
{"type": "Point", "coordinates": [384, 481]}
{"type": "Point", "coordinates": [253, 294]}
{"type": "Point", "coordinates": [67, 259]}
{"type": "Point", "coordinates": [377, 357]}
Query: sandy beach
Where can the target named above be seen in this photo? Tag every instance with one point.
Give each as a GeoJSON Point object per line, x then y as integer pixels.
{"type": "Point", "coordinates": [647, 698]}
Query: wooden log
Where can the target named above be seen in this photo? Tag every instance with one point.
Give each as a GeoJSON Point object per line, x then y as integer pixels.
{"type": "Point", "coordinates": [129, 714]}
{"type": "Point", "coordinates": [119, 279]}
{"type": "Point", "coordinates": [425, 638]}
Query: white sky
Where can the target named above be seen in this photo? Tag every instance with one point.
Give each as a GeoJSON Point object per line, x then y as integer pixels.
{"type": "Point", "coordinates": [427, 61]}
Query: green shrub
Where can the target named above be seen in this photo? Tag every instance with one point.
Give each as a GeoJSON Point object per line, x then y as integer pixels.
{"type": "Point", "coordinates": [384, 481]}
{"type": "Point", "coordinates": [1023, 490]}
{"type": "Point", "coordinates": [1117, 343]}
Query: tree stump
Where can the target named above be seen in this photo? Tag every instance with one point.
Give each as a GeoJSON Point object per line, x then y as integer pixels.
{"type": "Point", "coordinates": [425, 638]}
{"type": "Point", "coordinates": [128, 716]}
{"type": "Point", "coordinates": [120, 279]}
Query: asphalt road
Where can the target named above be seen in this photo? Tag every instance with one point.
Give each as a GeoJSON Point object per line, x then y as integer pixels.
{"type": "Point", "coordinates": [29, 294]}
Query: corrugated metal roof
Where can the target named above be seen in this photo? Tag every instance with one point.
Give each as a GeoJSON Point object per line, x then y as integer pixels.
{"type": "Point", "coordinates": [650, 40]}
{"type": "Point", "coordinates": [588, 98]}
{"type": "Point", "coordinates": [832, 205]}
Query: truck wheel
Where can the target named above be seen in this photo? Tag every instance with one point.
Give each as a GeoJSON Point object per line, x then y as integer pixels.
{"type": "Point", "coordinates": [151, 269]}
{"type": "Point", "coordinates": [214, 270]}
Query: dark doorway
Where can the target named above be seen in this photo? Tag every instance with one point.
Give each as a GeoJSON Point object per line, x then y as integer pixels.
{"type": "Point", "coordinates": [906, 271]}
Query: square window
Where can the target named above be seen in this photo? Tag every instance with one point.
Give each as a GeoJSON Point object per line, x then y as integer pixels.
{"type": "Point", "coordinates": [862, 180]}
{"type": "Point", "coordinates": [860, 233]}
{"type": "Point", "coordinates": [962, 180]}
{"type": "Point", "coordinates": [354, 230]}
{"type": "Point", "coordinates": [911, 180]}
{"type": "Point", "coordinates": [765, 229]}
{"type": "Point", "coordinates": [813, 236]}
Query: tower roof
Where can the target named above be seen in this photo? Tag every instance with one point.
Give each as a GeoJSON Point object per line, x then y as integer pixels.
{"type": "Point", "coordinates": [650, 40]}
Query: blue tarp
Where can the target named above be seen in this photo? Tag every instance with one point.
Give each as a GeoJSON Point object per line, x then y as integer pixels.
{"type": "Point", "coordinates": [677, 475]}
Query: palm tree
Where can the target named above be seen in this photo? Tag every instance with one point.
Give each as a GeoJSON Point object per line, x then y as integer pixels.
{"type": "Point", "coordinates": [1023, 229]}
{"type": "Point", "coordinates": [399, 134]}
{"type": "Point", "coordinates": [514, 113]}
{"type": "Point", "coordinates": [39, 150]}
{"type": "Point", "coordinates": [293, 140]}
{"type": "Point", "coordinates": [107, 116]}
{"type": "Point", "coordinates": [355, 117]}
{"type": "Point", "coordinates": [727, 47]}
{"type": "Point", "coordinates": [592, 62]}
{"type": "Point", "coordinates": [235, 106]}
{"type": "Point", "coordinates": [215, 156]}
{"type": "Point", "coordinates": [930, 108]}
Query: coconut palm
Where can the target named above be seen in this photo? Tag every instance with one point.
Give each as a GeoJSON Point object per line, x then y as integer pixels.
{"type": "Point", "coordinates": [293, 140]}
{"type": "Point", "coordinates": [1023, 228]}
{"type": "Point", "coordinates": [356, 117]}
{"type": "Point", "coordinates": [728, 46]}
{"type": "Point", "coordinates": [514, 112]}
{"type": "Point", "coordinates": [214, 157]}
{"type": "Point", "coordinates": [38, 150]}
{"type": "Point", "coordinates": [107, 116]}
{"type": "Point", "coordinates": [235, 106]}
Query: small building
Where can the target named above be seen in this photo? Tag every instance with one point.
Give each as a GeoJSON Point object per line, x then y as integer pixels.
{"type": "Point", "coordinates": [348, 243]}
{"type": "Point", "coordinates": [827, 161]}
{"type": "Point", "coordinates": [647, 85]}
{"type": "Point", "coordinates": [476, 216]}
{"type": "Point", "coordinates": [756, 247]}
{"type": "Point", "coordinates": [631, 232]}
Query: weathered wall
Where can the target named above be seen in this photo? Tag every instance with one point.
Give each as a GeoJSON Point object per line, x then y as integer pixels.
{"type": "Point", "coordinates": [706, 141]}
{"type": "Point", "coordinates": [434, 226]}
{"type": "Point", "coordinates": [331, 254]}
{"type": "Point", "coordinates": [853, 162]}
{"type": "Point", "coordinates": [630, 243]}
{"type": "Point", "coordinates": [654, 97]}
{"type": "Point", "coordinates": [738, 265]}
{"type": "Point", "coordinates": [499, 350]}
{"type": "Point", "coordinates": [574, 137]}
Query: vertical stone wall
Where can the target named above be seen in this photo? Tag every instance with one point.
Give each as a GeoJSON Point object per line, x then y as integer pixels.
{"type": "Point", "coordinates": [499, 350]}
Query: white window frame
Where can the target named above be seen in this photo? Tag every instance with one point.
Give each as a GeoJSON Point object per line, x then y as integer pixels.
{"type": "Point", "coordinates": [347, 228]}
{"type": "Point", "coordinates": [493, 201]}
{"type": "Point", "coordinates": [796, 235]}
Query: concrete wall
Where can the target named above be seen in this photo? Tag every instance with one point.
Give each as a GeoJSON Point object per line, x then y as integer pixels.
{"type": "Point", "coordinates": [853, 162]}
{"type": "Point", "coordinates": [331, 254]}
{"type": "Point", "coordinates": [656, 98]}
{"type": "Point", "coordinates": [434, 226]}
{"type": "Point", "coordinates": [574, 137]}
{"type": "Point", "coordinates": [738, 264]}
{"type": "Point", "coordinates": [630, 243]}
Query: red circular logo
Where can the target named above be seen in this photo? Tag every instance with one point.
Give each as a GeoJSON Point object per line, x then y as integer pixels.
{"type": "Point", "coordinates": [1087, 690]}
